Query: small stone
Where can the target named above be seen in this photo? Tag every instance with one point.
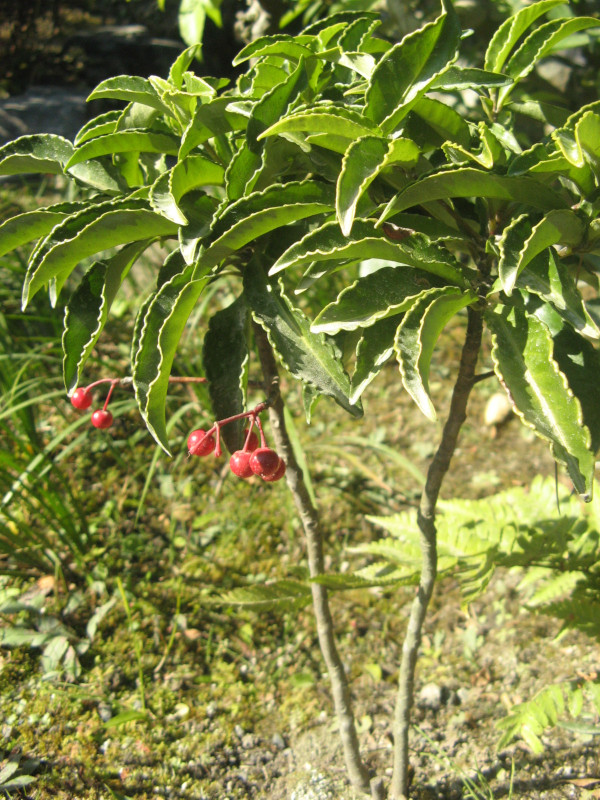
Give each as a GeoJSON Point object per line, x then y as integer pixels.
{"type": "Point", "coordinates": [462, 695]}
{"type": "Point", "coordinates": [278, 741]}
{"type": "Point", "coordinates": [239, 731]}
{"type": "Point", "coordinates": [104, 712]}
{"type": "Point", "coordinates": [430, 696]}
{"type": "Point", "coordinates": [211, 710]}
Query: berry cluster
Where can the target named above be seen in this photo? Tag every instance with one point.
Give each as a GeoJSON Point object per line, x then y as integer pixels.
{"type": "Point", "coordinates": [255, 458]}
{"type": "Point", "coordinates": [81, 399]}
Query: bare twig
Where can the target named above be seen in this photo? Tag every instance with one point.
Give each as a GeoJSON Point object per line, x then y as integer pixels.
{"type": "Point", "coordinates": [426, 520]}
{"type": "Point", "coordinates": [308, 514]}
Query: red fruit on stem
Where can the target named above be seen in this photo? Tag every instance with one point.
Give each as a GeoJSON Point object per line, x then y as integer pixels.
{"type": "Point", "coordinates": [278, 474]}
{"type": "Point", "coordinates": [199, 444]}
{"type": "Point", "coordinates": [238, 464]}
{"type": "Point", "coordinates": [102, 418]}
{"type": "Point", "coordinates": [81, 399]}
{"type": "Point", "coordinates": [251, 443]}
{"type": "Point", "coordinates": [264, 462]}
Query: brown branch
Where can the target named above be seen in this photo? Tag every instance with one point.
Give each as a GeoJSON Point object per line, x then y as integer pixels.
{"type": "Point", "coordinates": [309, 517]}
{"type": "Point", "coordinates": [428, 540]}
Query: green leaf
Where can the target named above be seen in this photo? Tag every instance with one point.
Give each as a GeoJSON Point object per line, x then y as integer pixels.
{"type": "Point", "coordinates": [489, 154]}
{"type": "Point", "coordinates": [124, 142]}
{"type": "Point", "coordinates": [22, 228]}
{"type": "Point", "coordinates": [212, 119]}
{"type": "Point", "coordinates": [461, 78]}
{"type": "Point", "coordinates": [87, 310]}
{"type": "Point", "coordinates": [308, 356]}
{"type": "Point", "coordinates": [542, 41]}
{"type": "Point", "coordinates": [183, 62]}
{"type": "Point", "coordinates": [511, 30]}
{"type": "Point", "coordinates": [383, 293]}
{"type": "Point", "coordinates": [363, 161]}
{"type": "Point", "coordinates": [161, 329]}
{"type": "Point", "coordinates": [406, 72]}
{"type": "Point", "coordinates": [44, 152]}
{"type": "Point", "coordinates": [192, 15]}
{"type": "Point", "coordinates": [225, 358]}
{"type": "Point", "coordinates": [446, 124]}
{"type": "Point", "coordinates": [333, 120]}
{"type": "Point", "coordinates": [285, 595]}
{"type": "Point", "coordinates": [548, 278]}
{"type": "Point", "coordinates": [579, 361]}
{"type": "Point", "coordinates": [242, 172]}
{"type": "Point", "coordinates": [292, 48]}
{"type": "Point", "coordinates": [417, 336]}
{"type": "Point", "coordinates": [523, 360]}
{"type": "Point", "coordinates": [272, 106]}
{"type": "Point", "coordinates": [104, 123]}
{"type": "Point", "coordinates": [471, 182]}
{"type": "Point", "coordinates": [188, 174]}
{"type": "Point", "coordinates": [96, 228]}
{"type": "Point", "coordinates": [261, 212]}
{"type": "Point", "coordinates": [130, 88]}
{"type": "Point", "coordinates": [580, 145]}
{"type": "Point", "coordinates": [328, 243]}
{"type": "Point", "coordinates": [375, 347]}
{"type": "Point", "coordinates": [521, 241]}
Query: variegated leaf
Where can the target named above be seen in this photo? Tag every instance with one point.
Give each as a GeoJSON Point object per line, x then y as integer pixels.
{"type": "Point", "coordinates": [548, 278]}
{"type": "Point", "coordinates": [159, 335]}
{"type": "Point", "coordinates": [405, 73]}
{"type": "Point", "coordinates": [363, 161]}
{"type": "Point", "coordinates": [375, 347]}
{"type": "Point", "coordinates": [417, 336]}
{"type": "Point", "coordinates": [261, 212]}
{"type": "Point", "coordinates": [308, 356]}
{"type": "Point", "coordinates": [124, 142]}
{"type": "Point", "coordinates": [522, 351]}
{"type": "Point", "coordinates": [471, 182]}
{"type": "Point", "coordinates": [331, 120]}
{"type": "Point", "coordinates": [188, 174]}
{"type": "Point", "coordinates": [97, 228]}
{"type": "Point", "coordinates": [522, 241]}
{"type": "Point", "coordinates": [225, 358]}
{"type": "Point", "coordinates": [384, 293]}
{"type": "Point", "coordinates": [23, 228]}
{"type": "Point", "coordinates": [508, 34]}
{"type": "Point", "coordinates": [328, 243]}
{"type": "Point", "coordinates": [44, 152]}
{"type": "Point", "coordinates": [87, 310]}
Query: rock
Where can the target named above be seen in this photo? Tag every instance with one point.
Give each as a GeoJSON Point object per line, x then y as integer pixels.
{"type": "Point", "coordinates": [497, 410]}
{"type": "Point", "coordinates": [431, 696]}
{"type": "Point", "coordinates": [42, 109]}
{"type": "Point", "coordinates": [278, 741]}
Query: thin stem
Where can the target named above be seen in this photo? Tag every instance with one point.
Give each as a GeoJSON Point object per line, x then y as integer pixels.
{"type": "Point", "coordinates": [309, 517]}
{"type": "Point", "coordinates": [428, 540]}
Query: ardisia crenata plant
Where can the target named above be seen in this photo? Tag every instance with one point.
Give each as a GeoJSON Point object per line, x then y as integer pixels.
{"type": "Point", "coordinates": [468, 196]}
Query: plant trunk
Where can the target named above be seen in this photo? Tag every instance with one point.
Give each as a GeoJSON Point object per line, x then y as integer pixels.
{"type": "Point", "coordinates": [426, 520]}
{"type": "Point", "coordinates": [308, 514]}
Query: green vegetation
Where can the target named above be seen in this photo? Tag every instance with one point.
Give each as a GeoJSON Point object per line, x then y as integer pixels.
{"type": "Point", "coordinates": [322, 215]}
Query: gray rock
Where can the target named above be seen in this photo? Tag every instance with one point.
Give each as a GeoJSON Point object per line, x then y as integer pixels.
{"type": "Point", "coordinates": [42, 109]}
{"type": "Point", "coordinates": [431, 696]}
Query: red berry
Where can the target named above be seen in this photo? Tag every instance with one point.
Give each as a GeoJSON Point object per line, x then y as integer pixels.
{"type": "Point", "coordinates": [199, 444]}
{"type": "Point", "coordinates": [238, 464]}
{"type": "Point", "coordinates": [102, 418]}
{"type": "Point", "coordinates": [278, 474]}
{"type": "Point", "coordinates": [81, 399]}
{"type": "Point", "coordinates": [252, 441]}
{"type": "Point", "coordinates": [264, 462]}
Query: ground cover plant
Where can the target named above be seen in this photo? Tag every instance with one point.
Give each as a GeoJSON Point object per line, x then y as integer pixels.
{"type": "Point", "coordinates": [339, 152]}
